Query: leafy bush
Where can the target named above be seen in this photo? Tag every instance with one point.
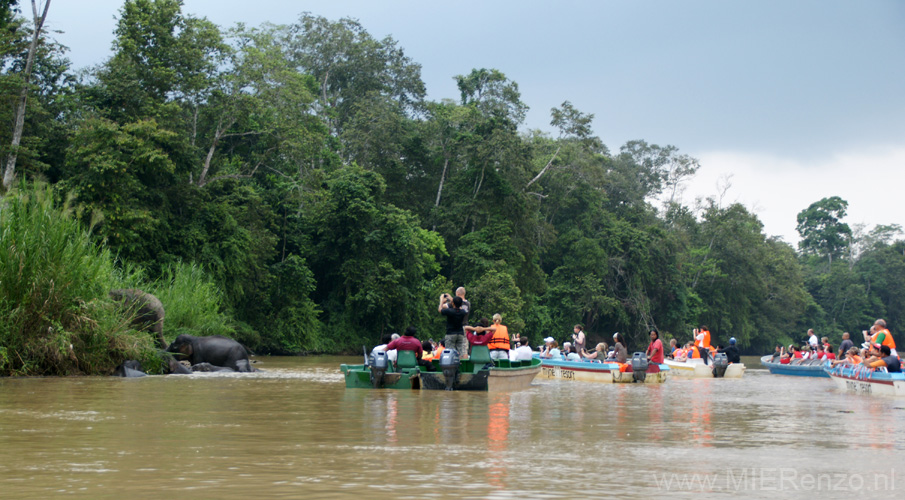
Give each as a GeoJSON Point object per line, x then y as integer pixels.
{"type": "Point", "coordinates": [53, 292]}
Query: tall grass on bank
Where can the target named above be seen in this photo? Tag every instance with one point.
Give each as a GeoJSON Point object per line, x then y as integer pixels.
{"type": "Point", "coordinates": [192, 303]}
{"type": "Point", "coordinates": [57, 318]}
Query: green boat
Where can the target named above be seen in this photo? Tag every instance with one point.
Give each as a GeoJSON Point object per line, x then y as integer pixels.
{"type": "Point", "coordinates": [477, 373]}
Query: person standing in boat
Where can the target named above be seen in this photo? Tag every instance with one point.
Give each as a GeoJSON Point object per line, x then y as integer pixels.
{"type": "Point", "coordinates": [466, 305]}
{"type": "Point", "coordinates": [882, 336]}
{"type": "Point", "coordinates": [451, 307]}
{"type": "Point", "coordinates": [812, 339]}
{"type": "Point", "coordinates": [579, 339]}
{"type": "Point", "coordinates": [845, 345]}
{"type": "Point", "coordinates": [620, 348]}
{"type": "Point", "coordinates": [702, 342]}
{"type": "Point", "coordinates": [655, 349]}
{"type": "Point", "coordinates": [499, 344]}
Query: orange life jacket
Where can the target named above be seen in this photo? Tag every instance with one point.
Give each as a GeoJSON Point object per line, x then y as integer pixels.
{"type": "Point", "coordinates": [887, 338]}
{"type": "Point", "coordinates": [706, 341]}
{"type": "Point", "coordinates": [694, 353]}
{"type": "Point", "coordinates": [500, 339]}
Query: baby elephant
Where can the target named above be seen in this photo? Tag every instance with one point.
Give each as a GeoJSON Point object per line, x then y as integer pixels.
{"type": "Point", "coordinates": [129, 369]}
{"type": "Point", "coordinates": [216, 350]}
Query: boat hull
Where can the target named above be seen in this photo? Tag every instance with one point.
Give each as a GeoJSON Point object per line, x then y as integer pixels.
{"type": "Point", "coordinates": [502, 377]}
{"type": "Point", "coordinates": [502, 380]}
{"type": "Point", "coordinates": [697, 369]}
{"type": "Point", "coordinates": [607, 373]}
{"type": "Point", "coordinates": [862, 380]}
{"type": "Point", "coordinates": [793, 370]}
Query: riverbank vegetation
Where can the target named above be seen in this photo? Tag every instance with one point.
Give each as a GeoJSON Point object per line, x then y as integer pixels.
{"type": "Point", "coordinates": [291, 186]}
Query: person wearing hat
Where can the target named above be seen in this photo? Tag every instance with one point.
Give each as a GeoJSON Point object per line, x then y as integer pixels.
{"type": "Point", "coordinates": [551, 349]}
{"type": "Point", "coordinates": [732, 352]}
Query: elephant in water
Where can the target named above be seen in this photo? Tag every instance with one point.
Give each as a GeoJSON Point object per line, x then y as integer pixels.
{"type": "Point", "coordinates": [147, 309]}
{"type": "Point", "coordinates": [207, 367]}
{"type": "Point", "coordinates": [129, 369]}
{"type": "Point", "coordinates": [216, 350]}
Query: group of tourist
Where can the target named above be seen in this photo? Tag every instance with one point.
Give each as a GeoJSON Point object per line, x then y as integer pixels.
{"type": "Point", "coordinates": [700, 348]}
{"type": "Point", "coordinates": [877, 351]}
{"type": "Point", "coordinates": [459, 336]}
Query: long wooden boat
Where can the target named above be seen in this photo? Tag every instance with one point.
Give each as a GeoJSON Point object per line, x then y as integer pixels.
{"type": "Point", "coordinates": [584, 371]}
{"type": "Point", "coordinates": [696, 368]}
{"type": "Point", "coordinates": [864, 380]}
{"type": "Point", "coordinates": [797, 370]}
{"type": "Point", "coordinates": [478, 373]}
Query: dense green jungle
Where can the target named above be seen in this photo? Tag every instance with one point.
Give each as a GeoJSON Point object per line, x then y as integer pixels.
{"type": "Point", "coordinates": [291, 186]}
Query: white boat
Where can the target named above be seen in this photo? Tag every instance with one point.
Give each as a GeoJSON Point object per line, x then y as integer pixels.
{"type": "Point", "coordinates": [696, 368]}
{"type": "Point", "coordinates": [583, 371]}
{"type": "Point", "coordinates": [864, 380]}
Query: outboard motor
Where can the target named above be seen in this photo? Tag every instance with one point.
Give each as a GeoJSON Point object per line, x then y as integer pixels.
{"type": "Point", "coordinates": [639, 366]}
{"type": "Point", "coordinates": [720, 363]}
{"type": "Point", "coordinates": [379, 364]}
{"type": "Point", "coordinates": [449, 364]}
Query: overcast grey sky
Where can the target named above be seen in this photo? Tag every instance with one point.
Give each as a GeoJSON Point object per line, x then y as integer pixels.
{"type": "Point", "coordinates": [792, 100]}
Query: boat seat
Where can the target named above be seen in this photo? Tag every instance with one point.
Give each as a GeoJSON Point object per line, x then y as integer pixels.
{"type": "Point", "coordinates": [480, 354]}
{"type": "Point", "coordinates": [406, 359]}
{"type": "Point", "coordinates": [505, 363]}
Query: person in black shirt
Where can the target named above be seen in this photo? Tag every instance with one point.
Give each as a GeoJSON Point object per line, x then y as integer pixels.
{"type": "Point", "coordinates": [451, 307]}
{"type": "Point", "coordinates": [732, 353]}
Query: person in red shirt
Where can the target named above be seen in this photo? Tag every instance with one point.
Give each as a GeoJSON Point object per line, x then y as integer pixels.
{"type": "Point", "coordinates": [655, 349]}
{"type": "Point", "coordinates": [408, 342]}
{"type": "Point", "coordinates": [481, 334]}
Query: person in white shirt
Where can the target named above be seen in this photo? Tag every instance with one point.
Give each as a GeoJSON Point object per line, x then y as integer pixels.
{"type": "Point", "coordinates": [522, 351]}
{"type": "Point", "coordinates": [812, 339]}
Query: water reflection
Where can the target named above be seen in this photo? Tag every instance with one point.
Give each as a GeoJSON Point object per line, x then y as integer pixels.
{"type": "Point", "coordinates": [294, 431]}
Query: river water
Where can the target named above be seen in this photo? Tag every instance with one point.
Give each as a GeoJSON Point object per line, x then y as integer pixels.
{"type": "Point", "coordinates": [294, 431]}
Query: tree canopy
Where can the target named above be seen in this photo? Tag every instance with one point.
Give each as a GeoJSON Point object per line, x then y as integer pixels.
{"type": "Point", "coordinates": [303, 171]}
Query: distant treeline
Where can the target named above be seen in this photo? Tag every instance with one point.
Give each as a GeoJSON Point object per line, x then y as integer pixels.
{"type": "Point", "coordinates": [300, 169]}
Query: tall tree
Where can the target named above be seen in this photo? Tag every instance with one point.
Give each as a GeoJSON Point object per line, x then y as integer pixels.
{"type": "Point", "coordinates": [349, 64]}
{"type": "Point", "coordinates": [822, 230]}
{"type": "Point", "coordinates": [9, 172]}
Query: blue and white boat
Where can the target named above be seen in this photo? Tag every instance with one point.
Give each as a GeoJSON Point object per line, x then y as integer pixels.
{"type": "Point", "coordinates": [794, 369]}
{"type": "Point", "coordinates": [864, 380]}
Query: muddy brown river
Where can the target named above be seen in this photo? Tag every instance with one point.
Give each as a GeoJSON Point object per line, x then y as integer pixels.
{"type": "Point", "coordinates": [294, 431]}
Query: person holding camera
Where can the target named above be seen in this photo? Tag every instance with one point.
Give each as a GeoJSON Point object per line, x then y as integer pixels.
{"type": "Point", "coordinates": [579, 339]}
{"type": "Point", "coordinates": [451, 307]}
